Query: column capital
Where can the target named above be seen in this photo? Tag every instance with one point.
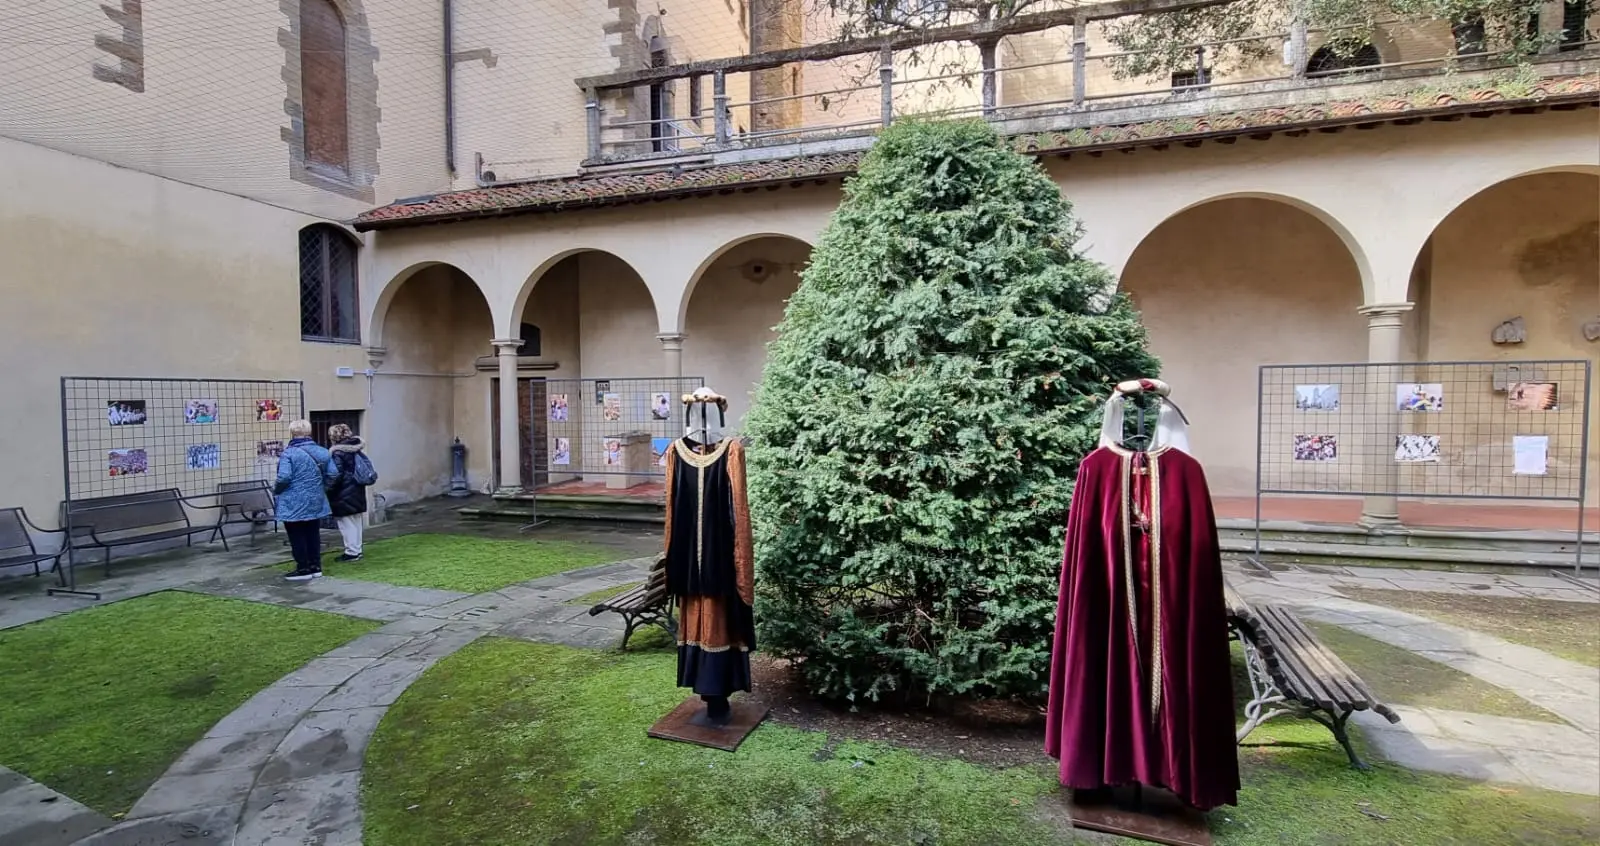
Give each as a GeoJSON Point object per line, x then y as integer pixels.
{"type": "Point", "coordinates": [507, 346]}
{"type": "Point", "coordinates": [672, 340]}
{"type": "Point", "coordinates": [376, 355]}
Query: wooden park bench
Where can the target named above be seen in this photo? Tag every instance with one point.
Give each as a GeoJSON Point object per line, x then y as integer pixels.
{"type": "Point", "coordinates": [17, 547]}
{"type": "Point", "coordinates": [1292, 672]}
{"type": "Point", "coordinates": [105, 522]}
{"type": "Point", "coordinates": [245, 503]}
{"type": "Point", "coordinates": [645, 604]}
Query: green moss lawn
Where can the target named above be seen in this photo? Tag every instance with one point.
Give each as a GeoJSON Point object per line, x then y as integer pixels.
{"type": "Point", "coordinates": [602, 594]}
{"type": "Point", "coordinates": [516, 743]}
{"type": "Point", "coordinates": [464, 563]}
{"type": "Point", "coordinates": [1399, 676]}
{"type": "Point", "coordinates": [1570, 630]}
{"type": "Point", "coordinates": [98, 703]}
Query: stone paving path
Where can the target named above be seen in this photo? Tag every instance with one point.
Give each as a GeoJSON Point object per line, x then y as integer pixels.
{"type": "Point", "coordinates": [1550, 755]}
{"type": "Point", "coordinates": [284, 769]}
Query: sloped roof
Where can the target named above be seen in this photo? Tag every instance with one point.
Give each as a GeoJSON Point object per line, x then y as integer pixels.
{"type": "Point", "coordinates": [588, 191]}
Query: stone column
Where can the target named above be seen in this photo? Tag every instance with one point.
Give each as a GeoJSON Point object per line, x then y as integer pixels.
{"type": "Point", "coordinates": [1385, 323]}
{"type": "Point", "coordinates": [510, 427]}
{"type": "Point", "coordinates": [672, 345]}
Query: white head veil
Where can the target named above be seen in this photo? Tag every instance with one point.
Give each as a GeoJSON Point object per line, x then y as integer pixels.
{"type": "Point", "coordinates": [1172, 428]}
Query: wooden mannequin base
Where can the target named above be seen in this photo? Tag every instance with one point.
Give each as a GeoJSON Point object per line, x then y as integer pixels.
{"type": "Point", "coordinates": [1148, 814]}
{"type": "Point", "coordinates": [676, 724]}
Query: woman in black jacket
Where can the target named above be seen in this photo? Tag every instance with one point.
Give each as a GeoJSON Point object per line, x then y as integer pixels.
{"type": "Point", "coordinates": [347, 496]}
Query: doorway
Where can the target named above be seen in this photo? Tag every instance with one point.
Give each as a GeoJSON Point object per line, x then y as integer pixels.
{"type": "Point", "coordinates": [532, 431]}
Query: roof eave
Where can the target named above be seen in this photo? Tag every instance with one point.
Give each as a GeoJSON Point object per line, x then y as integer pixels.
{"type": "Point", "coordinates": [1455, 110]}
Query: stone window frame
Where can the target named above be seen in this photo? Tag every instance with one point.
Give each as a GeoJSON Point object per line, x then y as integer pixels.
{"type": "Point", "coordinates": [361, 80]}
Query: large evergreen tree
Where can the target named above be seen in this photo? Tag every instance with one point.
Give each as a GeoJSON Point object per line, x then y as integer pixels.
{"type": "Point", "coordinates": [935, 381]}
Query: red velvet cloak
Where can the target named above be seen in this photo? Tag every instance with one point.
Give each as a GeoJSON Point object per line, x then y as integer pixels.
{"type": "Point", "coordinates": [1107, 723]}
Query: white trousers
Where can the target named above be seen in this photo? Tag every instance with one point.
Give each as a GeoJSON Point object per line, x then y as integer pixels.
{"type": "Point", "coordinates": [350, 530]}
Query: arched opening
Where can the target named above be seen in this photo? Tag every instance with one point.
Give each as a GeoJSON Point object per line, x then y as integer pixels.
{"type": "Point", "coordinates": [1527, 248]}
{"type": "Point", "coordinates": [436, 327]}
{"type": "Point", "coordinates": [1327, 61]}
{"type": "Point", "coordinates": [735, 301]}
{"type": "Point", "coordinates": [1232, 284]}
{"type": "Point", "coordinates": [592, 318]}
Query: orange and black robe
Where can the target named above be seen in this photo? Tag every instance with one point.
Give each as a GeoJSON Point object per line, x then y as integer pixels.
{"type": "Point", "coordinates": [711, 565]}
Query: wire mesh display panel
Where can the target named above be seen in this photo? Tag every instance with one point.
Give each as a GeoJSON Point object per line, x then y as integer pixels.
{"type": "Point", "coordinates": [1506, 430]}
{"type": "Point", "coordinates": [1494, 430]}
{"type": "Point", "coordinates": [122, 436]}
{"type": "Point", "coordinates": [608, 427]}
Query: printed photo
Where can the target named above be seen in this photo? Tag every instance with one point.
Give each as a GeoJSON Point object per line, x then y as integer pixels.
{"type": "Point", "coordinates": [658, 449]}
{"type": "Point", "coordinates": [1416, 448]}
{"type": "Point", "coordinates": [1316, 397]}
{"type": "Point", "coordinates": [1316, 447]}
{"type": "Point", "coordinates": [601, 388]}
{"type": "Point", "coordinates": [1532, 396]}
{"type": "Point", "coordinates": [558, 408]}
{"type": "Point", "coordinates": [125, 413]}
{"type": "Point", "coordinates": [204, 457]}
{"type": "Point", "coordinates": [269, 409]}
{"type": "Point", "coordinates": [200, 411]}
{"type": "Point", "coordinates": [1530, 455]}
{"type": "Point", "coordinates": [613, 447]}
{"type": "Point", "coordinates": [560, 451]}
{"type": "Point", "coordinates": [612, 407]}
{"type": "Point", "coordinates": [1414, 397]}
{"type": "Point", "coordinates": [660, 406]}
{"type": "Point", "coordinates": [127, 462]}
{"type": "Point", "coordinates": [268, 452]}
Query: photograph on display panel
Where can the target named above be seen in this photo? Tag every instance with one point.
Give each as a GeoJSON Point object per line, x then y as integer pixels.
{"type": "Point", "coordinates": [1533, 396]}
{"type": "Point", "coordinates": [204, 457]}
{"type": "Point", "coordinates": [127, 462]}
{"type": "Point", "coordinates": [561, 451]}
{"type": "Point", "coordinates": [1316, 397]}
{"type": "Point", "coordinates": [1410, 449]}
{"type": "Point", "coordinates": [558, 408]}
{"type": "Point", "coordinates": [1316, 447]}
{"type": "Point", "coordinates": [125, 412]}
{"type": "Point", "coordinates": [1426, 396]}
{"type": "Point", "coordinates": [200, 412]}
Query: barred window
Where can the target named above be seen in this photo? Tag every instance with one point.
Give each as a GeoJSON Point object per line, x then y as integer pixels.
{"type": "Point", "coordinates": [328, 307]}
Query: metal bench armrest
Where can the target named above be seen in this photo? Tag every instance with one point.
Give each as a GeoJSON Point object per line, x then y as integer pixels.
{"type": "Point", "coordinates": [40, 529]}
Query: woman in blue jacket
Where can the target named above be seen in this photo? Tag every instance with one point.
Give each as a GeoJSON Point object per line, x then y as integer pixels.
{"type": "Point", "coordinates": [304, 472]}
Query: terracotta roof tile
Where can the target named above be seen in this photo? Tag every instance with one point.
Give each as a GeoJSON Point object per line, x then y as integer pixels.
{"type": "Point", "coordinates": [613, 189]}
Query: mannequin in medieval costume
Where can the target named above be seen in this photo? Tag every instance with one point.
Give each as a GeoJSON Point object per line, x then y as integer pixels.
{"type": "Point", "coordinates": [710, 558]}
{"type": "Point", "coordinates": [1141, 685]}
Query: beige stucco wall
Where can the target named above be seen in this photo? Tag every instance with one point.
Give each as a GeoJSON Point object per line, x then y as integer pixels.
{"type": "Point", "coordinates": [732, 311]}
{"type": "Point", "coordinates": [212, 111]}
{"type": "Point", "coordinates": [110, 272]}
{"type": "Point", "coordinates": [1296, 232]}
{"type": "Point", "coordinates": [1232, 285]}
{"type": "Point", "coordinates": [1530, 248]}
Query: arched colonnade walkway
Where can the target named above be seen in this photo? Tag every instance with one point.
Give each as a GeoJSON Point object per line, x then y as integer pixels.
{"type": "Point", "coordinates": [1404, 244]}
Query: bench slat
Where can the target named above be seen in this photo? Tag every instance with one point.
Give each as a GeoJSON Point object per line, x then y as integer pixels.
{"type": "Point", "coordinates": [1330, 669]}
{"type": "Point", "coordinates": [1295, 658]}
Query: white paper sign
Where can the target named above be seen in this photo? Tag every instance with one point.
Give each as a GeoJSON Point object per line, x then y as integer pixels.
{"type": "Point", "coordinates": [1530, 455]}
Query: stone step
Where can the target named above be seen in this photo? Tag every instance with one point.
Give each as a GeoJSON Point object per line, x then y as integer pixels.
{"type": "Point", "coordinates": [1544, 542]}
{"type": "Point", "coordinates": [1352, 554]}
{"type": "Point", "coordinates": [523, 513]}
